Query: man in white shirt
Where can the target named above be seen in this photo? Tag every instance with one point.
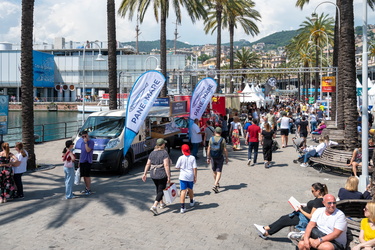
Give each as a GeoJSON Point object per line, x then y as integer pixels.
{"type": "Point", "coordinates": [195, 137]}
{"type": "Point", "coordinates": [327, 227]}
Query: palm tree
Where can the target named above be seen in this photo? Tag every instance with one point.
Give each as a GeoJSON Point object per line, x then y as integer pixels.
{"type": "Point", "coordinates": [161, 11]}
{"type": "Point", "coordinates": [112, 59]}
{"type": "Point", "coordinates": [246, 59]}
{"type": "Point", "coordinates": [27, 27]}
{"type": "Point", "coordinates": [346, 66]}
{"type": "Point", "coordinates": [317, 30]}
{"type": "Point", "coordinates": [234, 12]}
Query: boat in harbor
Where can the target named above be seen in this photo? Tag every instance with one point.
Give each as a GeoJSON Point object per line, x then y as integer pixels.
{"type": "Point", "coordinates": [103, 104]}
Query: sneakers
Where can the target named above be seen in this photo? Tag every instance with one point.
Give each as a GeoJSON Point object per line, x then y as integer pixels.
{"type": "Point", "coordinates": [154, 210]}
{"type": "Point", "coordinates": [253, 164]}
{"type": "Point", "coordinates": [182, 210]}
{"type": "Point", "coordinates": [86, 191]}
{"type": "Point", "coordinates": [215, 189]}
{"type": "Point", "coordinates": [192, 203]}
{"type": "Point", "coordinates": [261, 231]}
{"type": "Point", "coordinates": [248, 161]}
{"type": "Point", "coordinates": [295, 235]}
{"type": "Point", "coordinates": [162, 205]}
{"type": "Point", "coordinates": [266, 165]}
{"type": "Point", "coordinates": [304, 165]}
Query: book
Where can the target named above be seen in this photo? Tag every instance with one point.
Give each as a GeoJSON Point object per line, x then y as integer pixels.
{"type": "Point", "coordinates": [294, 203]}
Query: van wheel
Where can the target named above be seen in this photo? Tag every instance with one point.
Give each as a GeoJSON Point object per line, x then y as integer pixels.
{"type": "Point", "coordinates": [124, 165]}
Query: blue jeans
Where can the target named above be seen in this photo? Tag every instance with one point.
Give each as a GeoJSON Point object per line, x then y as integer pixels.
{"type": "Point", "coordinates": [69, 181]}
{"type": "Point", "coordinates": [313, 126]}
{"type": "Point", "coordinates": [255, 146]}
{"type": "Point", "coordinates": [194, 150]}
{"type": "Point", "coordinates": [311, 153]}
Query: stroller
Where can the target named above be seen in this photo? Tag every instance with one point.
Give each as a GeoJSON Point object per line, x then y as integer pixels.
{"type": "Point", "coordinates": [298, 145]}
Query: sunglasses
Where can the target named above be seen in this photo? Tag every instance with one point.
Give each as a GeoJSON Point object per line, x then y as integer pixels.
{"type": "Point", "coordinates": [331, 203]}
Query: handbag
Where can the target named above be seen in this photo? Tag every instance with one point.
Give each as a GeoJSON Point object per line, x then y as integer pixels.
{"type": "Point", "coordinates": [68, 164]}
{"type": "Point", "coordinates": [77, 177]}
{"type": "Point", "coordinates": [170, 193]}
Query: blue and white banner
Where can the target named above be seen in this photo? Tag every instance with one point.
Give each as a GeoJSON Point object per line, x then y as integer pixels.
{"type": "Point", "coordinates": [141, 98]}
{"type": "Point", "coordinates": [202, 95]}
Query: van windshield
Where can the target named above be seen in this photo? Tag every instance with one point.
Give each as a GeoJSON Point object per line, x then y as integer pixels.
{"type": "Point", "coordinates": [104, 126]}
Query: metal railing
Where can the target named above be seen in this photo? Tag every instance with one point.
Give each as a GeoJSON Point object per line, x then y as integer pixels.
{"type": "Point", "coordinates": [45, 132]}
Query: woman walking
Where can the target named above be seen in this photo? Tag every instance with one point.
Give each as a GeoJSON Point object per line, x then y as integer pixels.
{"type": "Point", "coordinates": [266, 140]}
{"type": "Point", "coordinates": [235, 130]}
{"type": "Point", "coordinates": [22, 157]}
{"type": "Point", "coordinates": [158, 164]}
{"type": "Point", "coordinates": [7, 160]}
{"type": "Point", "coordinates": [68, 158]}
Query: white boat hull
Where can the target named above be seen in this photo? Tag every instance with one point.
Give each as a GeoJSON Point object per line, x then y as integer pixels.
{"type": "Point", "coordinates": [91, 109]}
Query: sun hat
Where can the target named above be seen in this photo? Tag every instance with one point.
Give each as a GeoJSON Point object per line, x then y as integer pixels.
{"type": "Point", "coordinates": [185, 149]}
{"type": "Point", "coordinates": [161, 141]}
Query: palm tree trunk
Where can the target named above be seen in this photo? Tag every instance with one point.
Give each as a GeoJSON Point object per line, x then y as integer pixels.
{"type": "Point", "coordinates": [316, 73]}
{"type": "Point", "coordinates": [339, 83]}
{"type": "Point", "coordinates": [347, 73]}
{"type": "Point", "coordinates": [27, 85]}
{"type": "Point", "coordinates": [334, 94]}
{"type": "Point", "coordinates": [112, 59]}
{"type": "Point", "coordinates": [219, 10]}
{"type": "Point", "coordinates": [231, 45]}
{"type": "Point", "coordinates": [163, 48]}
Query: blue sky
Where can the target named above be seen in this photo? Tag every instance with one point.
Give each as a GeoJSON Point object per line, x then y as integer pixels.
{"type": "Point", "coordinates": [82, 20]}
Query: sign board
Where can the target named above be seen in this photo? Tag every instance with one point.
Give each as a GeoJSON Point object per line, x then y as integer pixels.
{"type": "Point", "coordinates": [161, 102]}
{"type": "Point", "coordinates": [178, 108]}
{"type": "Point", "coordinates": [328, 84]}
{"type": "Point", "coordinates": [4, 108]}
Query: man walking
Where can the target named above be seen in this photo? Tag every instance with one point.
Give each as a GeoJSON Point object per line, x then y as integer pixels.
{"type": "Point", "coordinates": [252, 138]}
{"type": "Point", "coordinates": [195, 137]}
{"type": "Point", "coordinates": [85, 161]}
{"type": "Point", "coordinates": [327, 227]}
{"type": "Point", "coordinates": [216, 150]}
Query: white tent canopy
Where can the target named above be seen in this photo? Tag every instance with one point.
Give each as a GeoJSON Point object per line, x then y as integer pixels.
{"type": "Point", "coordinates": [249, 94]}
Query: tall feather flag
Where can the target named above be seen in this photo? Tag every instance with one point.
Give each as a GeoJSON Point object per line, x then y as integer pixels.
{"type": "Point", "coordinates": [141, 98]}
{"type": "Point", "coordinates": [202, 95]}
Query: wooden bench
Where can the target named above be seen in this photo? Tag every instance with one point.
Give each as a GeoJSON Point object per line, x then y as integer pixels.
{"type": "Point", "coordinates": [336, 135]}
{"type": "Point", "coordinates": [353, 210]}
{"type": "Point", "coordinates": [334, 159]}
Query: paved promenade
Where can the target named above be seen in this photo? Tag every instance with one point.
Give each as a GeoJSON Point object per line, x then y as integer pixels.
{"type": "Point", "coordinates": [117, 216]}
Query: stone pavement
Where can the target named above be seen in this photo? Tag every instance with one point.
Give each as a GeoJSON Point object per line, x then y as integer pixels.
{"type": "Point", "coordinates": [117, 216]}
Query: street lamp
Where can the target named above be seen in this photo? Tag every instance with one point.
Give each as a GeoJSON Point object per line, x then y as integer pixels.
{"type": "Point", "coordinates": [98, 58]}
{"type": "Point", "coordinates": [321, 56]}
{"type": "Point", "coordinates": [120, 89]}
{"type": "Point", "coordinates": [310, 41]}
{"type": "Point", "coordinates": [157, 63]}
{"type": "Point", "coordinates": [314, 16]}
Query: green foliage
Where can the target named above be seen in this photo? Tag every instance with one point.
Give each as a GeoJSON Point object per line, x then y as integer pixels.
{"type": "Point", "coordinates": [278, 39]}
{"type": "Point", "coordinates": [147, 46]}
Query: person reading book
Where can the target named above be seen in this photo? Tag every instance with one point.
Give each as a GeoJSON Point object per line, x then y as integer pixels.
{"type": "Point", "coordinates": [298, 218]}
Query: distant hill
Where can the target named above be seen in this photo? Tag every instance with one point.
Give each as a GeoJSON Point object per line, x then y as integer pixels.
{"type": "Point", "coordinates": [278, 39]}
{"type": "Point", "coordinates": [148, 46]}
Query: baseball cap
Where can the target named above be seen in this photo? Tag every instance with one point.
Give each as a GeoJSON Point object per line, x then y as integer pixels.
{"type": "Point", "coordinates": [161, 141]}
{"type": "Point", "coordinates": [218, 130]}
{"type": "Point", "coordinates": [185, 149]}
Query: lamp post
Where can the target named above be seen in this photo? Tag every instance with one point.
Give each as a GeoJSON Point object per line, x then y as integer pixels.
{"type": "Point", "coordinates": [321, 56]}
{"type": "Point", "coordinates": [363, 179]}
{"type": "Point", "coordinates": [157, 62]}
{"type": "Point", "coordinates": [314, 16]}
{"type": "Point", "coordinates": [310, 41]}
{"type": "Point", "coordinates": [99, 58]}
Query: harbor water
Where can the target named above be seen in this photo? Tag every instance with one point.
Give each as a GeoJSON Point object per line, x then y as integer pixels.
{"type": "Point", "coordinates": [48, 126]}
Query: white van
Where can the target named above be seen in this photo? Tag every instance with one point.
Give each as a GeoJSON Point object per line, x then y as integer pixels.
{"type": "Point", "coordinates": [106, 129]}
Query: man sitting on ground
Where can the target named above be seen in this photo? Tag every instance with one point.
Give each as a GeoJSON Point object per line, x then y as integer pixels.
{"type": "Point", "coordinates": [327, 227]}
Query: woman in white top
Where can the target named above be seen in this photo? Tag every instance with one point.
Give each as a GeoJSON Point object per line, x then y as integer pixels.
{"type": "Point", "coordinates": [22, 157]}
